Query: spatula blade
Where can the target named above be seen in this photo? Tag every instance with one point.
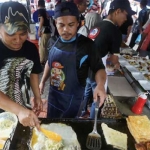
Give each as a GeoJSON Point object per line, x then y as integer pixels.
{"type": "Point", "coordinates": [93, 143]}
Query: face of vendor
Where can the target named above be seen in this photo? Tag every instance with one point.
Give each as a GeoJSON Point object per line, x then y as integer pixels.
{"type": "Point", "coordinates": [120, 17]}
{"type": "Point", "coordinates": [67, 26]}
{"type": "Point", "coordinates": [14, 41]}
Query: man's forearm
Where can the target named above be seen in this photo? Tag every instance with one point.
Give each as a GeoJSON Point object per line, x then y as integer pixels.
{"type": "Point", "coordinates": [114, 59]}
{"type": "Point", "coordinates": [100, 77]}
{"type": "Point", "coordinates": [9, 105]}
{"type": "Point", "coordinates": [34, 81]}
{"type": "Point", "coordinates": [46, 73]}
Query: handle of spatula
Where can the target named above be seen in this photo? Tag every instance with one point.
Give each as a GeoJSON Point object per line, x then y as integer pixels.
{"type": "Point", "coordinates": [96, 113]}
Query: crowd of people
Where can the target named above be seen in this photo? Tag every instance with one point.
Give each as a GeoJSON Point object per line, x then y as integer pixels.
{"type": "Point", "coordinates": [74, 58]}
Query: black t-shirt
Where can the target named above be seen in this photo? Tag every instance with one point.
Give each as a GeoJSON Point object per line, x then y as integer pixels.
{"type": "Point", "coordinates": [28, 51]}
{"type": "Point", "coordinates": [107, 38]}
{"type": "Point", "coordinates": [85, 46]}
{"type": "Point", "coordinates": [43, 13]}
{"type": "Point", "coordinates": [126, 24]}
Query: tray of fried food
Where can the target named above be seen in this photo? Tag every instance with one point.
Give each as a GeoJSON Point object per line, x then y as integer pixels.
{"type": "Point", "coordinates": [148, 62]}
{"type": "Point", "coordinates": [139, 127]}
{"type": "Point", "coordinates": [148, 68]}
{"type": "Point", "coordinates": [136, 58]}
{"type": "Point", "coordinates": [110, 109]}
{"type": "Point", "coordinates": [133, 62]}
{"type": "Point", "coordinates": [147, 76]}
{"type": "Point", "coordinates": [142, 63]}
{"type": "Point", "coordinates": [142, 68]}
{"type": "Point", "coordinates": [127, 57]}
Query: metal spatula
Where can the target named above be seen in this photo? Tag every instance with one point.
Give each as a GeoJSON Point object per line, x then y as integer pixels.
{"type": "Point", "coordinates": [93, 141]}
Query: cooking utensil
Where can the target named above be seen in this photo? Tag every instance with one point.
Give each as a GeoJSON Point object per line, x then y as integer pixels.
{"type": "Point", "coordinates": [94, 139]}
{"type": "Point", "coordinates": [51, 135]}
{"type": "Point", "coordinates": [120, 71]}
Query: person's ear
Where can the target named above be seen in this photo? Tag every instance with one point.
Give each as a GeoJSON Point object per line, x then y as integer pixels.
{"type": "Point", "coordinates": [78, 5]}
{"type": "Point", "coordinates": [117, 11]}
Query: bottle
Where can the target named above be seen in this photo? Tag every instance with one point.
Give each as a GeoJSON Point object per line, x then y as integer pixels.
{"type": "Point", "coordinates": [139, 104]}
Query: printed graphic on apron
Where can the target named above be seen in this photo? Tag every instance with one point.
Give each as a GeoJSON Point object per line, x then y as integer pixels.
{"type": "Point", "coordinates": [57, 76]}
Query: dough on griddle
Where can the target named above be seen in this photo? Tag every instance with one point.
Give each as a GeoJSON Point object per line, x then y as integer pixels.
{"type": "Point", "coordinates": [115, 138]}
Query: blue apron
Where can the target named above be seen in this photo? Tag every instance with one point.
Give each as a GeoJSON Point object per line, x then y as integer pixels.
{"type": "Point", "coordinates": [65, 92]}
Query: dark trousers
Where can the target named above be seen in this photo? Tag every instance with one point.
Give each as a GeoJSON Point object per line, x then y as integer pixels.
{"type": "Point", "coordinates": [133, 38]}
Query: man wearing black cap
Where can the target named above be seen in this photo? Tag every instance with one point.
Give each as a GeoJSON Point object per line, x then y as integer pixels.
{"type": "Point", "coordinates": [107, 35]}
{"type": "Point", "coordinates": [69, 60]}
{"type": "Point", "coordinates": [19, 64]}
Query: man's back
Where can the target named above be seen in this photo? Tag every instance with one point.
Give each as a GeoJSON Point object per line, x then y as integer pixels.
{"type": "Point", "coordinates": [107, 39]}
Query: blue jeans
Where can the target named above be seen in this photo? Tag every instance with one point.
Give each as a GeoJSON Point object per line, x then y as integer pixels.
{"type": "Point", "coordinates": [89, 88]}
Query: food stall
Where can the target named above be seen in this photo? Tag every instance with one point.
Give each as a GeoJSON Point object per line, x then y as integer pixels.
{"type": "Point", "coordinates": [115, 113]}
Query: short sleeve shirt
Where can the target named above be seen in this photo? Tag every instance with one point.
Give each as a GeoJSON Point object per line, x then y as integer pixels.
{"type": "Point", "coordinates": [28, 51]}
{"type": "Point", "coordinates": [107, 37]}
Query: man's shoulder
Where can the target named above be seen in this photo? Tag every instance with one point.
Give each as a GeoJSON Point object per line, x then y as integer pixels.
{"type": "Point", "coordinates": [53, 39]}
{"type": "Point", "coordinates": [29, 46]}
{"type": "Point", "coordinates": [29, 43]}
{"type": "Point", "coordinates": [84, 39]}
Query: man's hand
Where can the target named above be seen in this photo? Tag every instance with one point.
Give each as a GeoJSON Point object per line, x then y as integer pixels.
{"type": "Point", "coordinates": [28, 118]}
{"type": "Point", "coordinates": [117, 66]}
{"type": "Point", "coordinates": [37, 105]}
{"type": "Point", "coordinates": [99, 91]}
{"type": "Point", "coordinates": [41, 87]}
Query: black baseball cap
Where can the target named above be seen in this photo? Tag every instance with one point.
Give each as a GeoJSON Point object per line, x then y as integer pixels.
{"type": "Point", "coordinates": [14, 17]}
{"type": "Point", "coordinates": [122, 4]}
{"type": "Point", "coordinates": [66, 9]}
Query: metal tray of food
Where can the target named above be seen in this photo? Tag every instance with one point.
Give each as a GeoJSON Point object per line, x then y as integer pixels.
{"type": "Point", "coordinates": [81, 127]}
{"type": "Point", "coordinates": [131, 68]}
{"type": "Point", "coordinates": [137, 75]}
{"type": "Point", "coordinates": [145, 84]}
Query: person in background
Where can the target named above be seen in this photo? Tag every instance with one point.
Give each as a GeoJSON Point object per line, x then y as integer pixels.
{"type": "Point", "coordinates": [44, 31]}
{"type": "Point", "coordinates": [95, 7]}
{"type": "Point", "coordinates": [105, 8]}
{"type": "Point", "coordinates": [19, 65]}
{"type": "Point", "coordinates": [70, 57]}
{"type": "Point", "coordinates": [125, 28]}
{"type": "Point", "coordinates": [91, 20]}
{"type": "Point", "coordinates": [81, 5]}
{"type": "Point", "coordinates": [144, 45]}
{"type": "Point", "coordinates": [135, 5]}
{"type": "Point", "coordinates": [107, 36]}
{"type": "Point", "coordinates": [137, 26]}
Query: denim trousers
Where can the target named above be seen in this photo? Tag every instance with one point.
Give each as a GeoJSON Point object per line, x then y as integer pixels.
{"type": "Point", "coordinates": [90, 86]}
